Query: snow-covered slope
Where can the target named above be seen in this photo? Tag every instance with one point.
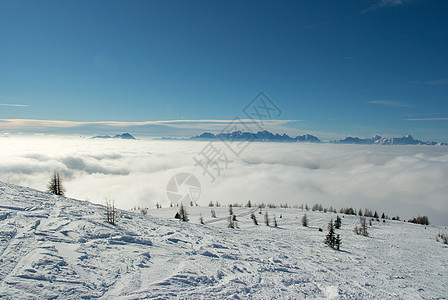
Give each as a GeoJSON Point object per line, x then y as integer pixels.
{"type": "Point", "coordinates": [58, 247]}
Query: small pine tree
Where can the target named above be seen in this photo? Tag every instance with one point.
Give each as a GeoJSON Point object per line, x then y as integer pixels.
{"type": "Point", "coordinates": [249, 204]}
{"type": "Point", "coordinates": [338, 242]}
{"type": "Point", "coordinates": [254, 218]}
{"type": "Point", "coordinates": [230, 209]}
{"type": "Point", "coordinates": [275, 221]}
{"type": "Point", "coordinates": [55, 185]}
{"type": "Point", "coordinates": [183, 214]}
{"type": "Point", "coordinates": [211, 204]}
{"type": "Point", "coordinates": [330, 237]}
{"type": "Point", "coordinates": [213, 213]}
{"type": "Point", "coordinates": [305, 221]}
{"type": "Point", "coordinates": [360, 212]}
{"type": "Point", "coordinates": [337, 223]}
{"type": "Point", "coordinates": [201, 219]}
{"type": "Point", "coordinates": [383, 216]}
{"type": "Point", "coordinates": [266, 218]}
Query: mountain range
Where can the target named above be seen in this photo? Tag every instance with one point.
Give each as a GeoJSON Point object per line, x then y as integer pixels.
{"type": "Point", "coordinates": [406, 140]}
{"type": "Point", "coordinates": [266, 136]}
{"type": "Point", "coordinates": [261, 136]}
{"type": "Point", "coordinates": [123, 136]}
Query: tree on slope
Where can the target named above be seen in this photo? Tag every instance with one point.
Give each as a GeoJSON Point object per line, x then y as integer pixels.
{"type": "Point", "coordinates": [330, 239]}
{"type": "Point", "coordinates": [266, 218]}
{"type": "Point", "coordinates": [55, 185]}
{"type": "Point", "coordinates": [337, 223]}
{"type": "Point", "coordinates": [183, 214]}
{"type": "Point", "coordinates": [305, 220]}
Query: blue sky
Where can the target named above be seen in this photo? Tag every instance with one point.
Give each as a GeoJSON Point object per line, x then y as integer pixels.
{"type": "Point", "coordinates": [337, 67]}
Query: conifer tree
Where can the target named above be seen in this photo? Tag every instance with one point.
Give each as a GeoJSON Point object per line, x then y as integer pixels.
{"type": "Point", "coordinates": [337, 223]}
{"type": "Point", "coordinates": [183, 214]}
{"type": "Point", "coordinates": [55, 185]}
{"type": "Point", "coordinates": [305, 220]}
{"type": "Point", "coordinates": [338, 242]}
{"type": "Point", "coordinates": [330, 238]}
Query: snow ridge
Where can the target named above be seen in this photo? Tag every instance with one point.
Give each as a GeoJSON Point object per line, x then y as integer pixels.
{"type": "Point", "coordinates": [56, 247]}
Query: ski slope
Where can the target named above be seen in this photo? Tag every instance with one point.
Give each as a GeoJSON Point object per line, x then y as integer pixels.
{"type": "Point", "coordinates": [56, 247]}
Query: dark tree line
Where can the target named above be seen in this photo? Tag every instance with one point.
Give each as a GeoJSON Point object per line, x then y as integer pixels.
{"type": "Point", "coordinates": [420, 220]}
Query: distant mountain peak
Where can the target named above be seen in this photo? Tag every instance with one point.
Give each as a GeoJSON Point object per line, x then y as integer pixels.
{"type": "Point", "coordinates": [123, 136]}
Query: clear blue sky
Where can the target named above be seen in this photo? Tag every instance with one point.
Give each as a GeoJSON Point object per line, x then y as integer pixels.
{"type": "Point", "coordinates": [350, 67]}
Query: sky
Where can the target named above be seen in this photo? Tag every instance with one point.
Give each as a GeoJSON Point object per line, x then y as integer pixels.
{"type": "Point", "coordinates": [334, 68]}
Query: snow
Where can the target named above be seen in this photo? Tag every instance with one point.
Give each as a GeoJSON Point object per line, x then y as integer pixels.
{"type": "Point", "coordinates": [56, 247]}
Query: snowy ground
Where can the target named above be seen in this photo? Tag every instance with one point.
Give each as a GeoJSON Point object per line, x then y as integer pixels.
{"type": "Point", "coordinates": [55, 247]}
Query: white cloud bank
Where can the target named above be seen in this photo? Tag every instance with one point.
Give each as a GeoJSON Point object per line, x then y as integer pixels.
{"type": "Point", "coordinates": [404, 180]}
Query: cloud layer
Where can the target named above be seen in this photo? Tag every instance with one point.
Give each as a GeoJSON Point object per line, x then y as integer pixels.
{"type": "Point", "coordinates": [400, 180]}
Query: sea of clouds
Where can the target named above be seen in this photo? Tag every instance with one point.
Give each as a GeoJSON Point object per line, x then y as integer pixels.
{"type": "Point", "coordinates": [403, 180]}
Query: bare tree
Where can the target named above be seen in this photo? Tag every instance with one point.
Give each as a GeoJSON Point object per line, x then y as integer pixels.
{"type": "Point", "coordinates": [362, 229]}
{"type": "Point", "coordinates": [111, 212]}
{"type": "Point", "coordinates": [232, 222]}
{"type": "Point", "coordinates": [55, 185]}
{"type": "Point", "coordinates": [266, 218]}
{"type": "Point", "coordinates": [254, 218]}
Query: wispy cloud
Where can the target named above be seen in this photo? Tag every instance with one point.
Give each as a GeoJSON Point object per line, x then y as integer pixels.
{"type": "Point", "coordinates": [387, 3]}
{"type": "Point", "coordinates": [154, 128]}
{"type": "Point", "coordinates": [390, 103]}
{"type": "Point", "coordinates": [13, 105]}
{"type": "Point", "coordinates": [426, 119]}
{"type": "Point", "coordinates": [438, 82]}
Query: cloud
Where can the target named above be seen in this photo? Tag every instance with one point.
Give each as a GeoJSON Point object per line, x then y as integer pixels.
{"type": "Point", "coordinates": [387, 3]}
{"type": "Point", "coordinates": [151, 128]}
{"type": "Point", "coordinates": [390, 103]}
{"type": "Point", "coordinates": [13, 105]}
{"type": "Point", "coordinates": [404, 180]}
{"type": "Point", "coordinates": [438, 82]}
{"type": "Point", "coordinates": [426, 119]}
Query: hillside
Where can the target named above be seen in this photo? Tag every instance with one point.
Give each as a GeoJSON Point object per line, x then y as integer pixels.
{"type": "Point", "coordinates": [59, 247]}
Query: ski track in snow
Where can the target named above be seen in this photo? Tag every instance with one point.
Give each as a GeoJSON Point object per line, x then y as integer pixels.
{"type": "Point", "coordinates": [56, 247]}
